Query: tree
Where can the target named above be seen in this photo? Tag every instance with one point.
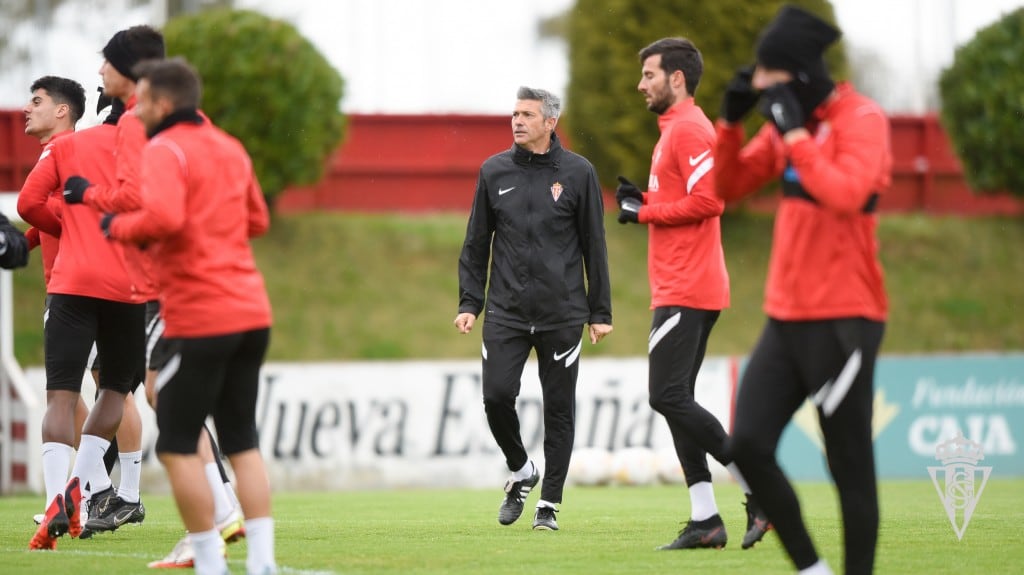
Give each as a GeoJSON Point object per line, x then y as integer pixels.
{"type": "Point", "coordinates": [983, 105]}
{"type": "Point", "coordinates": [605, 118]}
{"type": "Point", "coordinates": [268, 86]}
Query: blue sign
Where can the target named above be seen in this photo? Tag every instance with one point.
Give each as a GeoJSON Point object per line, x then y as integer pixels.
{"type": "Point", "coordinates": [922, 402]}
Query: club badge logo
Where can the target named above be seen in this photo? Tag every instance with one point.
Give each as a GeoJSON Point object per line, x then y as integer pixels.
{"type": "Point", "coordinates": [556, 190]}
{"type": "Point", "coordinates": [959, 481]}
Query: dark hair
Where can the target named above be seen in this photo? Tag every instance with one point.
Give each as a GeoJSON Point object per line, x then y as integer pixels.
{"type": "Point", "coordinates": [175, 79]}
{"type": "Point", "coordinates": [678, 54]}
{"type": "Point", "coordinates": [63, 91]}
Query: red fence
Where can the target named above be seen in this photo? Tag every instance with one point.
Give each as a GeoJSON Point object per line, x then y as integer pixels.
{"type": "Point", "coordinates": [421, 163]}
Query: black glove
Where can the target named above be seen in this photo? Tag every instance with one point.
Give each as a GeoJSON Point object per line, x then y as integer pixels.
{"type": "Point", "coordinates": [629, 210]}
{"type": "Point", "coordinates": [105, 224]}
{"type": "Point", "coordinates": [74, 189]}
{"type": "Point", "coordinates": [740, 96]}
{"type": "Point", "coordinates": [780, 106]}
{"type": "Point", "coordinates": [628, 189]}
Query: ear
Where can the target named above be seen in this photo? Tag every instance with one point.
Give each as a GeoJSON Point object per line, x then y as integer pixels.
{"type": "Point", "coordinates": [62, 110]}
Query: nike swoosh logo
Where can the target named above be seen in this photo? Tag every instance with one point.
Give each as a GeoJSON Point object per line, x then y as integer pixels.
{"type": "Point", "coordinates": [559, 356]}
{"type": "Point", "coordinates": [707, 539]}
{"type": "Point", "coordinates": [505, 191]}
{"type": "Point", "coordinates": [121, 516]}
{"type": "Point", "coordinates": [696, 160]}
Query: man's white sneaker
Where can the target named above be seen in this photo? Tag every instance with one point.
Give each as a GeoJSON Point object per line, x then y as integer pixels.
{"type": "Point", "coordinates": [182, 556]}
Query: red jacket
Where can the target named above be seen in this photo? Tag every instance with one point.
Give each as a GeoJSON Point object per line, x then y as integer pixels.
{"type": "Point", "coordinates": [824, 261]}
{"type": "Point", "coordinates": [87, 263]}
{"type": "Point", "coordinates": [201, 204]}
{"type": "Point", "coordinates": [123, 195]}
{"type": "Point", "coordinates": [41, 208]}
{"type": "Point", "coordinates": [685, 261]}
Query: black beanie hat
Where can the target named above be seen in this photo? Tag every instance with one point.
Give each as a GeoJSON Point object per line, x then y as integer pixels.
{"type": "Point", "coordinates": [129, 47]}
{"type": "Point", "coordinates": [795, 41]}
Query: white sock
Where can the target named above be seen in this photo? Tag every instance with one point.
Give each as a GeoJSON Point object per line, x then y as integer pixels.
{"type": "Point", "coordinates": [208, 557]}
{"type": "Point", "coordinates": [131, 474]}
{"type": "Point", "coordinates": [259, 535]}
{"type": "Point", "coordinates": [543, 503]}
{"type": "Point", "coordinates": [735, 472]}
{"type": "Point", "coordinates": [702, 501]}
{"type": "Point", "coordinates": [819, 568]}
{"type": "Point", "coordinates": [222, 507]}
{"type": "Point", "coordinates": [230, 492]}
{"type": "Point", "coordinates": [525, 472]}
{"type": "Point", "coordinates": [89, 468]}
{"type": "Point", "coordinates": [56, 463]}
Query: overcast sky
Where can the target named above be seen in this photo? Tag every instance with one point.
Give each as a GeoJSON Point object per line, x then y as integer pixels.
{"type": "Point", "coordinates": [469, 56]}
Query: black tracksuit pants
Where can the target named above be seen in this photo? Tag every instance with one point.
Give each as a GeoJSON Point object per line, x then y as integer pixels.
{"type": "Point", "coordinates": [832, 362]}
{"type": "Point", "coordinates": [676, 347]}
{"type": "Point", "coordinates": [505, 351]}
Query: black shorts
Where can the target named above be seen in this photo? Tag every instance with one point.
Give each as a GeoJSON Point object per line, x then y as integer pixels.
{"type": "Point", "coordinates": [73, 323]}
{"type": "Point", "coordinates": [206, 376]}
{"type": "Point", "coordinates": [158, 352]}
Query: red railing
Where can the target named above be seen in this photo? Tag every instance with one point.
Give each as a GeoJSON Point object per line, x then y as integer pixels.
{"type": "Point", "coordinates": [422, 163]}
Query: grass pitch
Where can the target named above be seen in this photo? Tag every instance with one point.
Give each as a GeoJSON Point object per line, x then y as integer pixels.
{"type": "Point", "coordinates": [604, 530]}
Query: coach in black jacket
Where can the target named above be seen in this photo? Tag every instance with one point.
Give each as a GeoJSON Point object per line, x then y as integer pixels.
{"type": "Point", "coordinates": [538, 216]}
{"type": "Point", "coordinates": [13, 245]}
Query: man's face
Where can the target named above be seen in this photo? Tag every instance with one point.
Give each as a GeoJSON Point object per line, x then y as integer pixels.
{"type": "Point", "coordinates": [530, 129]}
{"type": "Point", "coordinates": [43, 115]}
{"type": "Point", "coordinates": [115, 84]}
{"type": "Point", "coordinates": [149, 110]}
{"type": "Point", "coordinates": [654, 85]}
{"type": "Point", "coordinates": [767, 77]}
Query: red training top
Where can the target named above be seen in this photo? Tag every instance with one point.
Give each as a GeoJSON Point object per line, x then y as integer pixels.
{"type": "Point", "coordinates": [685, 261]}
{"type": "Point", "coordinates": [41, 208]}
{"type": "Point", "coordinates": [201, 204]}
{"type": "Point", "coordinates": [824, 262]}
{"type": "Point", "coordinates": [123, 196]}
{"type": "Point", "coordinates": [87, 263]}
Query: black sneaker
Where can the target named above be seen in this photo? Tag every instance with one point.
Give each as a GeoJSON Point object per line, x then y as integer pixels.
{"type": "Point", "coordinates": [515, 495]}
{"type": "Point", "coordinates": [706, 534]}
{"type": "Point", "coordinates": [544, 519]}
{"type": "Point", "coordinates": [110, 512]}
{"type": "Point", "coordinates": [757, 523]}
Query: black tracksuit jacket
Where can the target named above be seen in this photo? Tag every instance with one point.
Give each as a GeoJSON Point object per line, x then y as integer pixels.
{"type": "Point", "coordinates": [539, 219]}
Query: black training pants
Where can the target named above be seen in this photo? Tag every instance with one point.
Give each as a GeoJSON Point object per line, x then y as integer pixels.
{"type": "Point", "coordinates": [505, 351]}
{"type": "Point", "coordinates": [676, 346]}
{"type": "Point", "coordinates": [832, 362]}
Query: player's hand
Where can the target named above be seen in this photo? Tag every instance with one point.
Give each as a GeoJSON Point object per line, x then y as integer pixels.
{"type": "Point", "coordinates": [629, 210]}
{"type": "Point", "coordinates": [105, 224]}
{"type": "Point", "coordinates": [780, 106]}
{"type": "Point", "coordinates": [740, 96]}
{"type": "Point", "coordinates": [598, 331]}
{"type": "Point", "coordinates": [74, 189]}
{"type": "Point", "coordinates": [464, 322]}
{"type": "Point", "coordinates": [627, 189]}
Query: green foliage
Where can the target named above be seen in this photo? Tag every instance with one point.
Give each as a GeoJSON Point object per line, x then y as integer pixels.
{"type": "Point", "coordinates": [983, 105]}
{"type": "Point", "coordinates": [267, 85]}
{"type": "Point", "coordinates": [605, 117]}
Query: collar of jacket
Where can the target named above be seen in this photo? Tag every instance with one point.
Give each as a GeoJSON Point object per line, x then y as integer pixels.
{"type": "Point", "coordinates": [190, 115]}
{"type": "Point", "coordinates": [678, 110]}
{"type": "Point", "coordinates": [523, 156]}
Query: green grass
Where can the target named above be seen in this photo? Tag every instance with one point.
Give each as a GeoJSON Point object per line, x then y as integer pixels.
{"type": "Point", "coordinates": [604, 530]}
{"type": "Point", "coordinates": [358, 286]}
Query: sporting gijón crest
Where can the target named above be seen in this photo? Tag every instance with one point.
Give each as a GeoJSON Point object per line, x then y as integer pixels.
{"type": "Point", "coordinates": [556, 190]}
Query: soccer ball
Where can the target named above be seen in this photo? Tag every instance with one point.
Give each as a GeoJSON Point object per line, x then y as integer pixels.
{"type": "Point", "coordinates": [590, 466]}
{"type": "Point", "coordinates": [634, 466]}
{"type": "Point", "coordinates": [669, 469]}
